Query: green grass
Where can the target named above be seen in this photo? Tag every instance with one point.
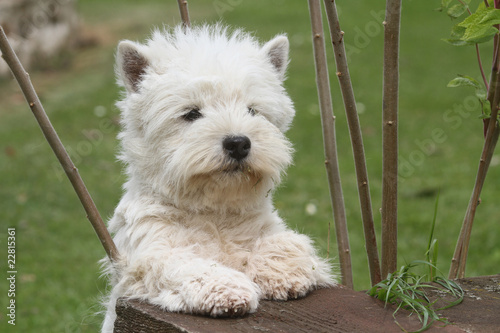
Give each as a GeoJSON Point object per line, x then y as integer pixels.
{"type": "Point", "coordinates": [58, 283]}
{"type": "Point", "coordinates": [412, 291]}
{"type": "Point", "coordinates": [409, 287]}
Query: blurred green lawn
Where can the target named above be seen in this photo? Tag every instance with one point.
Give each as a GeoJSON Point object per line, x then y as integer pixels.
{"type": "Point", "coordinates": [59, 284]}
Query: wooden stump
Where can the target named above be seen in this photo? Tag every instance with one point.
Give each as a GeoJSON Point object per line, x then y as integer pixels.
{"type": "Point", "coordinates": [326, 310]}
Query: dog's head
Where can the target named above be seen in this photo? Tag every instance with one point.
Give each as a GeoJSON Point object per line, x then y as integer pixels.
{"type": "Point", "coordinates": [204, 115]}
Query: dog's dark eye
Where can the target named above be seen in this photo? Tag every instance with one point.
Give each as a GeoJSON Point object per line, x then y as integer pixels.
{"type": "Point", "coordinates": [192, 115]}
{"type": "Point", "coordinates": [252, 111]}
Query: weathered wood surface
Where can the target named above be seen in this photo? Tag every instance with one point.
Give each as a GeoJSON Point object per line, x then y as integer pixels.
{"type": "Point", "coordinates": [480, 310]}
{"type": "Point", "coordinates": [326, 310]}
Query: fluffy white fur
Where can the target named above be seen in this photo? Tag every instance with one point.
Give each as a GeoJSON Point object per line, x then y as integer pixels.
{"type": "Point", "coordinates": [196, 228]}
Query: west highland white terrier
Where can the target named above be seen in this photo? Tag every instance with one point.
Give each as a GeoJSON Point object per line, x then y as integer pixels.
{"type": "Point", "coordinates": [203, 119]}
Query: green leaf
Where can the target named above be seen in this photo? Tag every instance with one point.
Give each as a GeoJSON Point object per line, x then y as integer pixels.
{"type": "Point", "coordinates": [455, 42]}
{"type": "Point", "coordinates": [476, 17]}
{"type": "Point", "coordinates": [457, 33]}
{"type": "Point", "coordinates": [463, 81]}
{"type": "Point", "coordinates": [476, 28]}
{"type": "Point", "coordinates": [477, 34]}
{"type": "Point", "coordinates": [456, 10]}
{"type": "Point", "coordinates": [479, 26]}
{"type": "Point", "coordinates": [444, 5]}
{"type": "Point", "coordinates": [481, 94]}
{"type": "Point", "coordinates": [491, 17]}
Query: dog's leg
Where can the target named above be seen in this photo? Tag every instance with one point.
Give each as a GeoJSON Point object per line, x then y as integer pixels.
{"type": "Point", "coordinates": [212, 289]}
{"type": "Point", "coordinates": [285, 265]}
{"type": "Point", "coordinates": [180, 281]}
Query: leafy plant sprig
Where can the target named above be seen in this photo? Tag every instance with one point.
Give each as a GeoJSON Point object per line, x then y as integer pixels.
{"type": "Point", "coordinates": [409, 291]}
{"type": "Point", "coordinates": [481, 94]}
{"type": "Point", "coordinates": [479, 27]}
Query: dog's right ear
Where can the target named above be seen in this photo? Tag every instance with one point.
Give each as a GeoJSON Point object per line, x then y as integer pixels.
{"type": "Point", "coordinates": [276, 50]}
{"type": "Point", "coordinates": [131, 65]}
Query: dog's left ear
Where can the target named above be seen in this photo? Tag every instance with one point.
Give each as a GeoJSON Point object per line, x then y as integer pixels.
{"type": "Point", "coordinates": [276, 51]}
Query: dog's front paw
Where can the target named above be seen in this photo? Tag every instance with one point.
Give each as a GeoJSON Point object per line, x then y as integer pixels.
{"type": "Point", "coordinates": [223, 295]}
{"type": "Point", "coordinates": [228, 302]}
{"type": "Point", "coordinates": [285, 266]}
{"type": "Point", "coordinates": [282, 287]}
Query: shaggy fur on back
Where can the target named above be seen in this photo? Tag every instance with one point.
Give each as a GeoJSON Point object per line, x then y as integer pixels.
{"type": "Point", "coordinates": [203, 120]}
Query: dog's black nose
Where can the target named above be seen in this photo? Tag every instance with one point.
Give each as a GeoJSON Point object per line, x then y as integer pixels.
{"type": "Point", "coordinates": [238, 147]}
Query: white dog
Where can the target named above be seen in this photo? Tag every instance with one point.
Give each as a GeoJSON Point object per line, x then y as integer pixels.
{"type": "Point", "coordinates": [203, 120]}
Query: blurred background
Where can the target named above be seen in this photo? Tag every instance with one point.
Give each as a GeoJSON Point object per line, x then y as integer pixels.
{"type": "Point", "coordinates": [69, 47]}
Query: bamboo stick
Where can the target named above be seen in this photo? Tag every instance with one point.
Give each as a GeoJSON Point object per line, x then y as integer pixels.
{"type": "Point", "coordinates": [337, 36]}
{"type": "Point", "coordinates": [329, 140]}
{"type": "Point", "coordinates": [459, 260]}
{"type": "Point", "coordinates": [48, 130]}
{"type": "Point", "coordinates": [183, 9]}
{"type": "Point", "coordinates": [390, 137]}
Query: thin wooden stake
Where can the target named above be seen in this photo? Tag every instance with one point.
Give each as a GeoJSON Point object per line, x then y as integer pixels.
{"type": "Point", "coordinates": [329, 140]}
{"type": "Point", "coordinates": [459, 260]}
{"type": "Point", "coordinates": [337, 36]}
{"type": "Point", "coordinates": [390, 138]}
{"type": "Point", "coordinates": [183, 8]}
{"type": "Point", "coordinates": [29, 92]}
